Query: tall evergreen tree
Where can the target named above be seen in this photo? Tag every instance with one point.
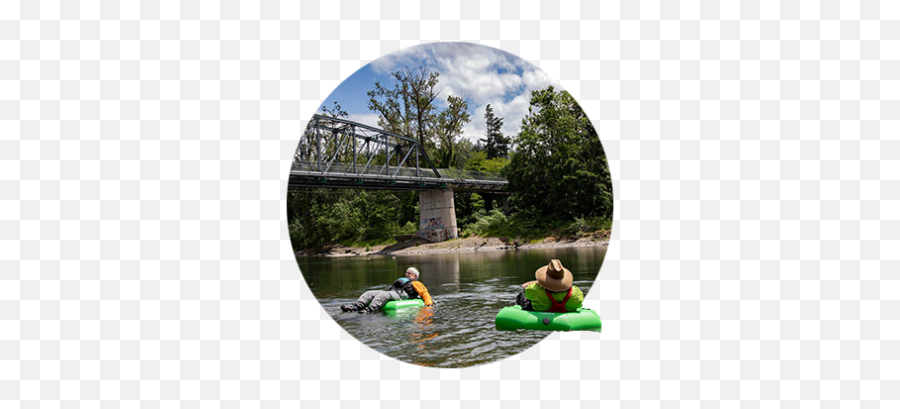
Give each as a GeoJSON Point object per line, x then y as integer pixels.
{"type": "Point", "coordinates": [495, 143]}
{"type": "Point", "coordinates": [503, 143]}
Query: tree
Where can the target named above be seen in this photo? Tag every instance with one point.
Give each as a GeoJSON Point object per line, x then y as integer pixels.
{"type": "Point", "coordinates": [465, 151]}
{"type": "Point", "coordinates": [559, 169]}
{"type": "Point", "coordinates": [320, 217]}
{"type": "Point", "coordinates": [409, 107]}
{"type": "Point", "coordinates": [391, 109]}
{"type": "Point", "coordinates": [335, 112]}
{"type": "Point", "coordinates": [448, 127]}
{"type": "Point", "coordinates": [495, 143]}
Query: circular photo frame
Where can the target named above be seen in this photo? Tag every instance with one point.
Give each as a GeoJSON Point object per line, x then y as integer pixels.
{"type": "Point", "coordinates": [450, 205]}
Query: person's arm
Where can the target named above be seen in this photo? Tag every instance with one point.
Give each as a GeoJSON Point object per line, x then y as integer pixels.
{"type": "Point", "coordinates": [423, 292]}
{"type": "Point", "coordinates": [534, 292]}
{"type": "Point", "coordinates": [576, 300]}
{"type": "Point", "coordinates": [528, 283]}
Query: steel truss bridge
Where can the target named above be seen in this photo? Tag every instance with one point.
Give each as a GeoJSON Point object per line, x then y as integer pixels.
{"type": "Point", "coordinates": [337, 153]}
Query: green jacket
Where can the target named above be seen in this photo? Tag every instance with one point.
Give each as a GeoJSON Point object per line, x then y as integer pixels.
{"type": "Point", "coordinates": [535, 293]}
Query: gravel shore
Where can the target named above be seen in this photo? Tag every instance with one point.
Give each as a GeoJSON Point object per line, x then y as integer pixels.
{"type": "Point", "coordinates": [469, 244]}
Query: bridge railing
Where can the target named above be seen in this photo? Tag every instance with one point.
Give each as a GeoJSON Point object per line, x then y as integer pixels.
{"type": "Point", "coordinates": [390, 171]}
{"type": "Point", "coordinates": [470, 174]}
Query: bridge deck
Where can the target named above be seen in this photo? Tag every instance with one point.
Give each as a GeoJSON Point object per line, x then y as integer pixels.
{"type": "Point", "coordinates": [306, 178]}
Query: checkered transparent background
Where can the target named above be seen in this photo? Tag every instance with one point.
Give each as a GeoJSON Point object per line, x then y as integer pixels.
{"type": "Point", "coordinates": [144, 153]}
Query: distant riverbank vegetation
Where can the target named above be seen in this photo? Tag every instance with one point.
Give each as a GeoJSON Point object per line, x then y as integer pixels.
{"type": "Point", "coordinates": [559, 181]}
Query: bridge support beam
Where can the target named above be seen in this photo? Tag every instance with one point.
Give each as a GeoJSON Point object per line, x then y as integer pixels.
{"type": "Point", "coordinates": [437, 215]}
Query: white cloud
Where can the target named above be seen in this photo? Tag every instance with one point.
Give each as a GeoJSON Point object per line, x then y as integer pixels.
{"type": "Point", "coordinates": [537, 79]}
{"type": "Point", "coordinates": [511, 111]}
{"type": "Point", "coordinates": [365, 119]}
{"type": "Point", "coordinates": [482, 74]}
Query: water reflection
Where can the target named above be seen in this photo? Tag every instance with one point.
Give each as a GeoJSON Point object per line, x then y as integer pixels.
{"type": "Point", "coordinates": [468, 288]}
{"type": "Point", "coordinates": [424, 321]}
{"type": "Point", "coordinates": [436, 272]}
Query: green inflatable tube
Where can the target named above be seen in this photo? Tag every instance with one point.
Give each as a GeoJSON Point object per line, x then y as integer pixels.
{"type": "Point", "coordinates": [397, 304]}
{"type": "Point", "coordinates": [513, 318]}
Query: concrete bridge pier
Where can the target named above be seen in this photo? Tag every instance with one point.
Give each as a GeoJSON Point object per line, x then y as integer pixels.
{"type": "Point", "coordinates": [437, 215]}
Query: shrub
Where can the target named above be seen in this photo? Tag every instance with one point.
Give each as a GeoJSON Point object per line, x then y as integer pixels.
{"type": "Point", "coordinates": [408, 228]}
{"type": "Point", "coordinates": [578, 226]}
{"type": "Point", "coordinates": [493, 223]}
{"type": "Point", "coordinates": [583, 225]}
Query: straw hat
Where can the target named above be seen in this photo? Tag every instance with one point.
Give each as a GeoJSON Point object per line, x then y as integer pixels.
{"type": "Point", "coordinates": [554, 276]}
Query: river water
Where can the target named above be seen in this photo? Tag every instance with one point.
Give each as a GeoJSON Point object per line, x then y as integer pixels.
{"type": "Point", "coordinates": [468, 288]}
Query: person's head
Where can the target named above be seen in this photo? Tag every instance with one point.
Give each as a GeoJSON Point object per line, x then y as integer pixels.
{"type": "Point", "coordinates": [412, 273]}
{"type": "Point", "coordinates": [554, 276]}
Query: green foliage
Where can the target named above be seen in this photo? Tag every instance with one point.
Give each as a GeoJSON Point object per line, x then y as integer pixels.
{"type": "Point", "coordinates": [476, 158]}
{"type": "Point", "coordinates": [448, 128]}
{"type": "Point", "coordinates": [493, 223]}
{"type": "Point", "coordinates": [319, 217]}
{"type": "Point", "coordinates": [479, 162]}
{"type": "Point", "coordinates": [580, 225]}
{"type": "Point", "coordinates": [558, 175]}
{"type": "Point", "coordinates": [408, 108]}
{"type": "Point", "coordinates": [464, 153]}
{"type": "Point", "coordinates": [559, 170]}
{"type": "Point", "coordinates": [467, 204]}
{"type": "Point", "coordinates": [408, 228]}
{"type": "Point", "coordinates": [335, 112]}
{"type": "Point", "coordinates": [496, 145]}
{"type": "Point", "coordinates": [519, 225]}
{"type": "Point", "coordinates": [583, 225]}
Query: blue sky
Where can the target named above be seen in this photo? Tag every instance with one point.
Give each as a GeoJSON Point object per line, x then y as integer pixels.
{"type": "Point", "coordinates": [483, 75]}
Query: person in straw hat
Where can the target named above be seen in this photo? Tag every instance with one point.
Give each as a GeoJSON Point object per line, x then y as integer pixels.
{"type": "Point", "coordinates": [551, 291]}
{"type": "Point", "coordinates": [403, 288]}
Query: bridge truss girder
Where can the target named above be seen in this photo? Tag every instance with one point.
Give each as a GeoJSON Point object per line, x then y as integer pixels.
{"type": "Point", "coordinates": [337, 153]}
{"type": "Point", "coordinates": [362, 148]}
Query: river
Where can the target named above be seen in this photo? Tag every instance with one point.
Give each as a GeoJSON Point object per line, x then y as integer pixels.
{"type": "Point", "coordinates": [468, 288]}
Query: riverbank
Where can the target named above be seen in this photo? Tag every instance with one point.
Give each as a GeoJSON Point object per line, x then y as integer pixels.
{"type": "Point", "coordinates": [469, 244]}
